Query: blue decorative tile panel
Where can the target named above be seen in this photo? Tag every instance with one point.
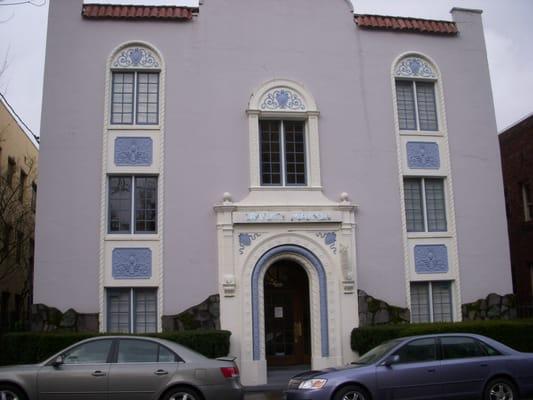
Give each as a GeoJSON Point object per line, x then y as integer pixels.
{"type": "Point", "coordinates": [136, 151]}
{"type": "Point", "coordinates": [282, 99]}
{"type": "Point", "coordinates": [414, 67]}
{"type": "Point", "coordinates": [431, 259]}
{"type": "Point", "coordinates": [136, 57]}
{"type": "Point", "coordinates": [246, 239]}
{"type": "Point", "coordinates": [423, 155]}
{"type": "Point", "coordinates": [330, 239]}
{"type": "Point", "coordinates": [262, 263]}
{"type": "Point", "coordinates": [132, 263]}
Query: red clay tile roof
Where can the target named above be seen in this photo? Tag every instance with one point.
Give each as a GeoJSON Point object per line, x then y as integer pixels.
{"type": "Point", "coordinates": [110, 11]}
{"type": "Point", "coordinates": [382, 22]}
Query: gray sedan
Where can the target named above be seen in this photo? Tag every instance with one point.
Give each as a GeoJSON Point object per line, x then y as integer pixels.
{"type": "Point", "coordinates": [120, 368]}
{"type": "Point", "coordinates": [447, 366]}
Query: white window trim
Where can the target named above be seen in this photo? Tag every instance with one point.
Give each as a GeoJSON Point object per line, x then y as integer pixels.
{"type": "Point", "coordinates": [310, 115]}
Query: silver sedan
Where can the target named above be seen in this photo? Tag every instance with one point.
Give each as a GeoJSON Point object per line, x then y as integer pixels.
{"type": "Point", "coordinates": [120, 368]}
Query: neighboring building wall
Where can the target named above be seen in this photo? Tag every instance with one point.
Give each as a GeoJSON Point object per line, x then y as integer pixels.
{"type": "Point", "coordinates": [516, 144]}
{"type": "Point", "coordinates": [18, 160]}
{"type": "Point", "coordinates": [212, 65]}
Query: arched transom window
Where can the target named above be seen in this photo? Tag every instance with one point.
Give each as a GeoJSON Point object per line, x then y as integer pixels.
{"type": "Point", "coordinates": [135, 86]}
{"type": "Point", "coordinates": [416, 97]}
{"type": "Point", "coordinates": [283, 136]}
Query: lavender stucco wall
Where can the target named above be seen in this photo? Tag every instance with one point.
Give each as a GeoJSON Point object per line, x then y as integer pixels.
{"type": "Point", "coordinates": [213, 65]}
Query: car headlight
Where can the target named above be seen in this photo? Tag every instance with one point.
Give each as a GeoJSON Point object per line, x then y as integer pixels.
{"type": "Point", "coordinates": [313, 384]}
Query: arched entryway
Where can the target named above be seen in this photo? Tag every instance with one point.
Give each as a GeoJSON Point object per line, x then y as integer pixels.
{"type": "Point", "coordinates": [287, 314]}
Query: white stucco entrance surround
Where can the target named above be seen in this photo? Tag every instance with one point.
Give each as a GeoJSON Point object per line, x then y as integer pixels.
{"type": "Point", "coordinates": [303, 226]}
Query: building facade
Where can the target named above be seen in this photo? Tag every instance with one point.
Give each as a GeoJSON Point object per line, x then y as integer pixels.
{"type": "Point", "coordinates": [237, 150]}
{"type": "Point", "coordinates": [19, 153]}
{"type": "Point", "coordinates": [516, 143]}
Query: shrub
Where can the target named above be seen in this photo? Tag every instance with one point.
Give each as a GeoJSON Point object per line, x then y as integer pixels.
{"type": "Point", "coordinates": [514, 333]}
{"type": "Point", "coordinates": [34, 347]}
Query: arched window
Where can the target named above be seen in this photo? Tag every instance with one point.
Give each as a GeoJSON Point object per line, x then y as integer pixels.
{"type": "Point", "coordinates": [283, 120]}
{"type": "Point", "coordinates": [135, 86]}
{"type": "Point", "coordinates": [416, 94]}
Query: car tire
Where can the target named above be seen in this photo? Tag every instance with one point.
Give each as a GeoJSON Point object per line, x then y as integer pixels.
{"type": "Point", "coordinates": [352, 392]}
{"type": "Point", "coordinates": [182, 393]}
{"type": "Point", "coordinates": [12, 393]}
{"type": "Point", "coordinates": [498, 387]}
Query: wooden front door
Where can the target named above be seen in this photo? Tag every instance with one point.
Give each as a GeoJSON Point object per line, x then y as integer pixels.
{"type": "Point", "coordinates": [287, 326]}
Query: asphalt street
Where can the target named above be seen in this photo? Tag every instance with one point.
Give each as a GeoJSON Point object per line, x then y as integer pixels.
{"type": "Point", "coordinates": [263, 396]}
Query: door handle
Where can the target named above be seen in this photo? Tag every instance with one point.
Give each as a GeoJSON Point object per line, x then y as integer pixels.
{"type": "Point", "coordinates": [431, 370]}
{"type": "Point", "coordinates": [161, 372]}
{"type": "Point", "coordinates": [98, 373]}
{"type": "Point", "coordinates": [483, 365]}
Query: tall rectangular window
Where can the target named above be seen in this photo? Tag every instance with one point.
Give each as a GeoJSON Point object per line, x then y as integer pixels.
{"type": "Point", "coordinates": [33, 196]}
{"type": "Point", "coordinates": [425, 205]}
{"type": "Point", "coordinates": [527, 201]}
{"type": "Point", "coordinates": [283, 153]}
{"type": "Point", "coordinates": [11, 165]}
{"type": "Point", "coordinates": [131, 310]}
{"type": "Point", "coordinates": [416, 105]}
{"type": "Point", "coordinates": [135, 98]}
{"type": "Point", "coordinates": [22, 185]}
{"type": "Point", "coordinates": [431, 302]}
{"type": "Point", "coordinates": [132, 204]}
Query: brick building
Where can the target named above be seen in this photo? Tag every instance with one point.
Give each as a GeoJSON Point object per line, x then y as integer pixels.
{"type": "Point", "coordinates": [516, 144]}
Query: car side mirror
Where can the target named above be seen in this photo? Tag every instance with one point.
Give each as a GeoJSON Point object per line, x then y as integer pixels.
{"type": "Point", "coordinates": [392, 359]}
{"type": "Point", "coordinates": [58, 361]}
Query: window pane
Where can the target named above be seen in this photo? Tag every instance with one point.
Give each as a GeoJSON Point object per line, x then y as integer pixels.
{"type": "Point", "coordinates": [145, 204]}
{"type": "Point", "coordinates": [420, 350]}
{"type": "Point", "coordinates": [460, 347]}
{"type": "Point", "coordinates": [442, 301]}
{"type": "Point", "coordinates": [137, 351]}
{"type": "Point", "coordinates": [118, 310]}
{"type": "Point", "coordinates": [165, 355]}
{"type": "Point", "coordinates": [294, 152]}
{"type": "Point", "coordinates": [405, 100]}
{"type": "Point", "coordinates": [148, 105]}
{"type": "Point", "coordinates": [427, 110]}
{"type": "Point", "coordinates": [145, 310]}
{"type": "Point", "coordinates": [270, 152]}
{"type": "Point", "coordinates": [122, 98]}
{"type": "Point", "coordinates": [413, 205]}
{"type": "Point", "coordinates": [119, 204]}
{"type": "Point", "coordinates": [420, 302]}
{"type": "Point", "coordinates": [435, 204]}
{"type": "Point", "coordinates": [94, 352]}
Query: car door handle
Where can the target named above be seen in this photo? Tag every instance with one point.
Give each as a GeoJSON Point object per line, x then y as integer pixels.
{"type": "Point", "coordinates": [431, 370]}
{"type": "Point", "coordinates": [98, 373]}
{"type": "Point", "coordinates": [161, 372]}
{"type": "Point", "coordinates": [483, 365]}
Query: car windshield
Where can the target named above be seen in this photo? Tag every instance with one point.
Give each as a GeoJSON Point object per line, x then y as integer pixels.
{"type": "Point", "coordinates": [377, 352]}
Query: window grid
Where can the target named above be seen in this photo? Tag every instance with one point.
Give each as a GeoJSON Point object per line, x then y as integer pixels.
{"type": "Point", "coordinates": [425, 205]}
{"type": "Point", "coordinates": [416, 105]}
{"type": "Point", "coordinates": [132, 203]}
{"type": "Point", "coordinates": [282, 140]}
{"type": "Point", "coordinates": [270, 153]}
{"type": "Point", "coordinates": [145, 204]}
{"type": "Point", "coordinates": [145, 311]}
{"type": "Point", "coordinates": [122, 94]}
{"type": "Point", "coordinates": [431, 302]}
{"type": "Point", "coordinates": [147, 98]}
{"type": "Point", "coordinates": [118, 319]}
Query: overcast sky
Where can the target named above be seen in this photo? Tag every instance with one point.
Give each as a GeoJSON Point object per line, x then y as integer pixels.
{"type": "Point", "coordinates": [507, 23]}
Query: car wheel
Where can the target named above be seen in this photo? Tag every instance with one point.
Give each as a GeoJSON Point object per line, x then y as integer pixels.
{"type": "Point", "coordinates": [181, 393]}
{"type": "Point", "coordinates": [11, 393]}
{"type": "Point", "coordinates": [500, 389]}
{"type": "Point", "coordinates": [352, 393]}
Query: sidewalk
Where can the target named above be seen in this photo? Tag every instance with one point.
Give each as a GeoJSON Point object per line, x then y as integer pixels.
{"type": "Point", "coordinates": [277, 382]}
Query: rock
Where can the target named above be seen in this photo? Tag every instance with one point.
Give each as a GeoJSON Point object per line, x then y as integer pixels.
{"type": "Point", "coordinates": [69, 320]}
{"type": "Point", "coordinates": [381, 317]}
{"type": "Point", "coordinates": [493, 300]}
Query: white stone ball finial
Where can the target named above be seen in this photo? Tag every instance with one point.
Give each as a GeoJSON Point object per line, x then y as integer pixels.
{"type": "Point", "coordinates": [344, 197]}
{"type": "Point", "coordinates": [227, 198]}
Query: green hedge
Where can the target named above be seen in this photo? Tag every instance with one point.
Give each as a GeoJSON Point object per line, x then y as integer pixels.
{"type": "Point", "coordinates": [33, 347]}
{"type": "Point", "coordinates": [517, 334]}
